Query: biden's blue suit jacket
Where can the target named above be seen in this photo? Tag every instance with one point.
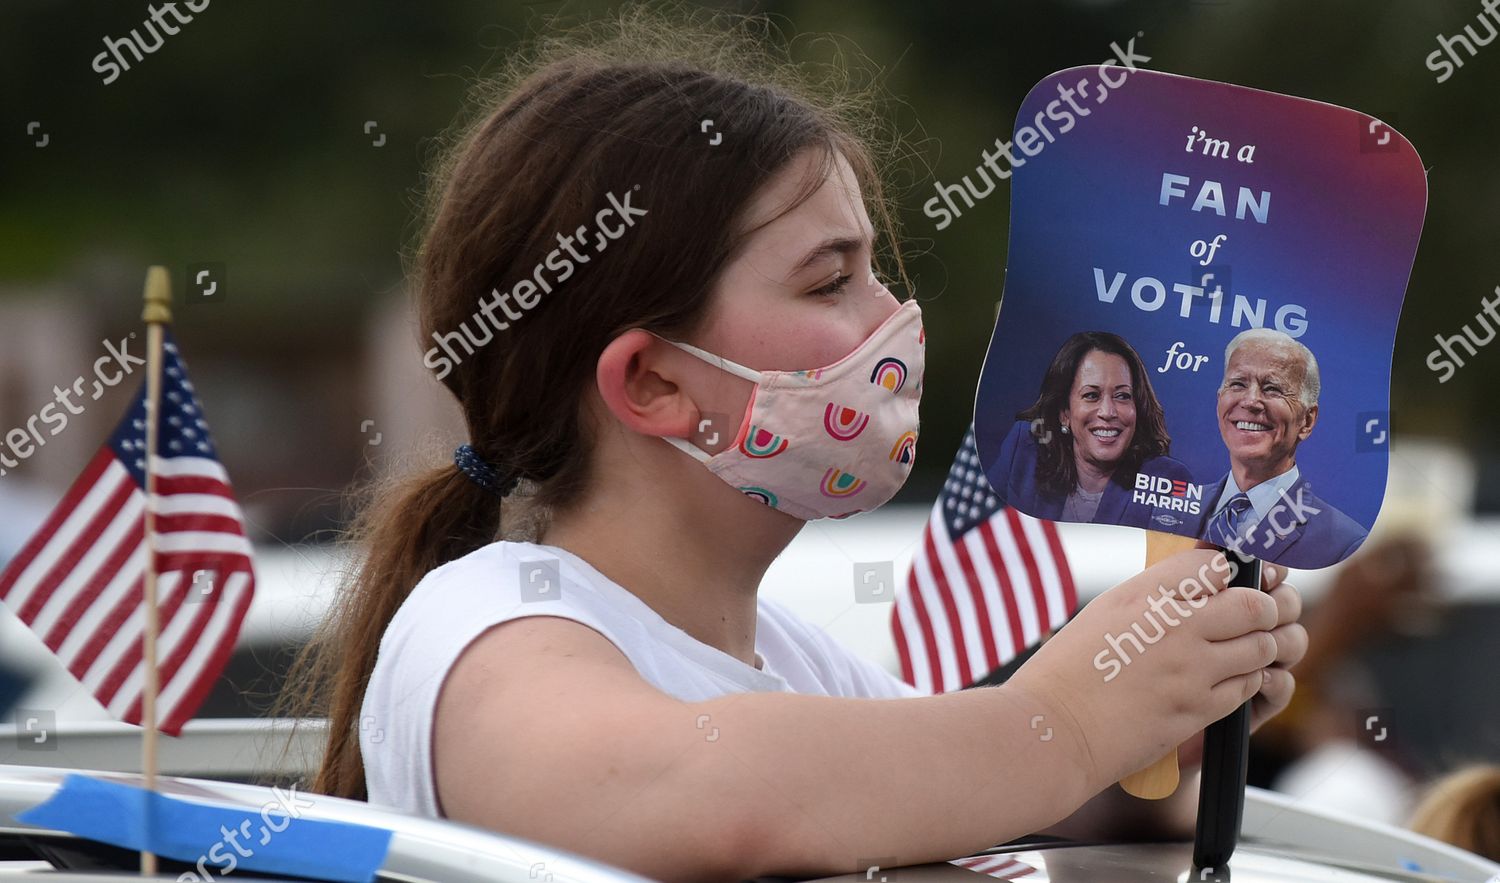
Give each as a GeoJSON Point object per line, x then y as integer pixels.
{"type": "Point", "coordinates": [1013, 474]}
{"type": "Point", "coordinates": [1304, 530]}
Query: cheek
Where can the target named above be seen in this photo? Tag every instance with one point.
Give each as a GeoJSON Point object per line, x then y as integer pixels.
{"type": "Point", "coordinates": [769, 332]}
{"type": "Point", "coordinates": [795, 346]}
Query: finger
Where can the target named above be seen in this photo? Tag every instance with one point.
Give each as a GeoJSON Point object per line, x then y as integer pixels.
{"type": "Point", "coordinates": [1275, 694]}
{"type": "Point", "coordinates": [1242, 655]}
{"type": "Point", "coordinates": [1236, 611]}
{"type": "Point", "coordinates": [1206, 574]}
{"type": "Point", "coordinates": [1288, 603]}
{"type": "Point", "coordinates": [1291, 644]}
{"type": "Point", "coordinates": [1227, 695]}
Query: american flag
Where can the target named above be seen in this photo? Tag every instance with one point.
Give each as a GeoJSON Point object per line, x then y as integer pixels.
{"type": "Point", "coordinates": [986, 583]}
{"type": "Point", "coordinates": [1000, 867]}
{"type": "Point", "coordinates": [79, 584]}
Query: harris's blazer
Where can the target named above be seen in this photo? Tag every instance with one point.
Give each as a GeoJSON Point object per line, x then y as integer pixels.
{"type": "Point", "coordinates": [1307, 532]}
{"type": "Point", "coordinates": [1014, 475]}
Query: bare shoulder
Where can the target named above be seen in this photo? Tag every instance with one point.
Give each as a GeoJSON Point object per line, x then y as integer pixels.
{"type": "Point", "coordinates": [545, 730]}
{"type": "Point", "coordinates": [533, 643]}
{"type": "Point", "coordinates": [524, 700]}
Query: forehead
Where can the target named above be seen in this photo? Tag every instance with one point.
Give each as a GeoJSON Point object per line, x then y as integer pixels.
{"type": "Point", "coordinates": [1265, 358]}
{"type": "Point", "coordinates": [835, 208]}
{"type": "Point", "coordinates": [1098, 366]}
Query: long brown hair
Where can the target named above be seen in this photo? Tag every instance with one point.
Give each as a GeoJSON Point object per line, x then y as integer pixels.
{"type": "Point", "coordinates": [1056, 471]}
{"type": "Point", "coordinates": [609, 108]}
{"type": "Point", "coordinates": [1463, 809]}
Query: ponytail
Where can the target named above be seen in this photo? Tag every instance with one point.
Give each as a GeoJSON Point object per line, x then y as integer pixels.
{"type": "Point", "coordinates": [410, 526]}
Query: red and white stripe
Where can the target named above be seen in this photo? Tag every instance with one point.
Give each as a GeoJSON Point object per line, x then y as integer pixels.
{"type": "Point", "coordinates": [1001, 867]}
{"type": "Point", "coordinates": [974, 603]}
{"type": "Point", "coordinates": [80, 583]}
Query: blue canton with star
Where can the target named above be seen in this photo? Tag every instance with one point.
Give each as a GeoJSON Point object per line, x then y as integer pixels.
{"type": "Point", "coordinates": [968, 499]}
{"type": "Point", "coordinates": [183, 432]}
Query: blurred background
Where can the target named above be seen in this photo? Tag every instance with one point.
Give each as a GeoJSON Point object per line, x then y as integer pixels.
{"type": "Point", "coordinates": [282, 146]}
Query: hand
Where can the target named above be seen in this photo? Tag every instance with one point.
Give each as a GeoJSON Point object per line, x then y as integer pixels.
{"type": "Point", "coordinates": [1278, 684]}
{"type": "Point", "coordinates": [1150, 663]}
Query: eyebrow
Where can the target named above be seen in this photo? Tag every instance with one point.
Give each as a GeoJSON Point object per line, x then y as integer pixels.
{"type": "Point", "coordinates": [1270, 378]}
{"type": "Point", "coordinates": [843, 245]}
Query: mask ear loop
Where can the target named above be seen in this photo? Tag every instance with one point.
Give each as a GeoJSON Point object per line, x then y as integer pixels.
{"type": "Point", "coordinates": [734, 368]}
{"type": "Point", "coordinates": [687, 447]}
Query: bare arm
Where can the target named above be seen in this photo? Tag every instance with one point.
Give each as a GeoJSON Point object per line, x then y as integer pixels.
{"type": "Point", "coordinates": [602, 763]}
{"type": "Point", "coordinates": [546, 731]}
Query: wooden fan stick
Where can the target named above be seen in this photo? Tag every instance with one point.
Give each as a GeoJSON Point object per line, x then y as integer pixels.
{"type": "Point", "coordinates": [1159, 779]}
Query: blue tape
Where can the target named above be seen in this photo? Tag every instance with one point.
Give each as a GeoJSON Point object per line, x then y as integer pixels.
{"type": "Point", "coordinates": [272, 839]}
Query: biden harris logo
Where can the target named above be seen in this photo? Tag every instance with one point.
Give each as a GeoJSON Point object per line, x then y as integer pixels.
{"type": "Point", "coordinates": [1167, 495]}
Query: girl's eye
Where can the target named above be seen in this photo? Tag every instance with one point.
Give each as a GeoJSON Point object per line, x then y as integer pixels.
{"type": "Point", "coordinates": [835, 286]}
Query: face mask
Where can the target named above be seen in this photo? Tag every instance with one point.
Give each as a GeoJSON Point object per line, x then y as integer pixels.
{"type": "Point", "coordinates": [827, 442]}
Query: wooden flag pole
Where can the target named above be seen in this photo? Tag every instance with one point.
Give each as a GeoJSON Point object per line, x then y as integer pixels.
{"type": "Point", "coordinates": [1159, 779]}
{"type": "Point", "coordinates": [156, 315]}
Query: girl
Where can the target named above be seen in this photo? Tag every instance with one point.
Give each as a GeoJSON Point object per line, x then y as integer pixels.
{"type": "Point", "coordinates": [671, 351]}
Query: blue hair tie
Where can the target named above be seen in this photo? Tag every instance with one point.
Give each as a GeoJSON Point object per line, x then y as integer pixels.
{"type": "Point", "coordinates": [481, 472]}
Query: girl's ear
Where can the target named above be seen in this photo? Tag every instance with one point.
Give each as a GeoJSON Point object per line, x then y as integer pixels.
{"type": "Point", "coordinates": [639, 383]}
{"type": "Point", "coordinates": [654, 388]}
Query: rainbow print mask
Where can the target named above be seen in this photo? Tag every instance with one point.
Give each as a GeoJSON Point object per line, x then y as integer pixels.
{"type": "Point", "coordinates": [827, 442]}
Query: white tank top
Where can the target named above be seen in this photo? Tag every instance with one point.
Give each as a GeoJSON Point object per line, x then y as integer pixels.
{"type": "Point", "coordinates": [459, 601]}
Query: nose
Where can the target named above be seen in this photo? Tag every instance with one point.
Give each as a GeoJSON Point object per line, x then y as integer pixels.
{"type": "Point", "coordinates": [1107, 408]}
{"type": "Point", "coordinates": [1254, 397]}
{"type": "Point", "coordinates": [881, 304]}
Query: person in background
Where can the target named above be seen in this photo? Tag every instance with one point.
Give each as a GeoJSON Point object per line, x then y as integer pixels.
{"type": "Point", "coordinates": [1463, 809]}
{"type": "Point", "coordinates": [1315, 750]}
